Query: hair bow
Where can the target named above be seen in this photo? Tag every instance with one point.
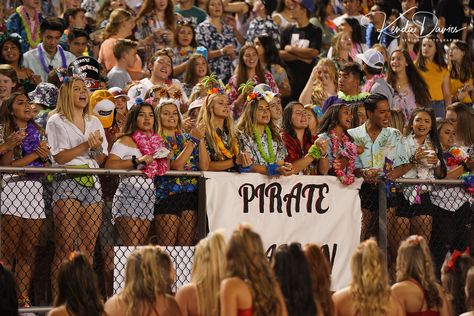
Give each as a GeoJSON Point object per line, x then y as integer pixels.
{"type": "Point", "coordinates": [450, 266]}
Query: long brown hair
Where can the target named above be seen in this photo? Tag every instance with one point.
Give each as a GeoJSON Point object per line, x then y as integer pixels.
{"type": "Point", "coordinates": [248, 120]}
{"type": "Point", "coordinates": [320, 278]}
{"type": "Point", "coordinates": [464, 126]}
{"type": "Point", "coordinates": [246, 260]}
{"type": "Point", "coordinates": [463, 70]}
{"type": "Point", "coordinates": [414, 262]}
{"type": "Point", "coordinates": [416, 81]}
{"type": "Point", "coordinates": [242, 72]}
{"type": "Point", "coordinates": [131, 122]}
{"type": "Point", "coordinates": [438, 58]}
{"type": "Point", "coordinates": [170, 19]}
{"type": "Point", "coordinates": [190, 76]}
{"type": "Point", "coordinates": [78, 289]}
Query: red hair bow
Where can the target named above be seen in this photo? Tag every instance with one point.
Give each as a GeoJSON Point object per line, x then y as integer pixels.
{"type": "Point", "coordinates": [454, 258]}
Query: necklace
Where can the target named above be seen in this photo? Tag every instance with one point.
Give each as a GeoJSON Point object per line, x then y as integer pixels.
{"type": "Point", "coordinates": [48, 68]}
{"type": "Point", "coordinates": [352, 98]}
{"type": "Point", "coordinates": [270, 158]}
{"type": "Point", "coordinates": [222, 148]}
{"type": "Point", "coordinates": [348, 151]}
{"type": "Point", "coordinates": [370, 82]}
{"type": "Point", "coordinates": [31, 27]}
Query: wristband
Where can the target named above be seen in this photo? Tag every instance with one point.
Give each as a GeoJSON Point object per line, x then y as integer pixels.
{"type": "Point", "coordinates": [272, 169]}
{"type": "Point", "coordinates": [314, 152]}
{"type": "Point", "coordinates": [134, 162]}
{"type": "Point", "coordinates": [234, 160]}
{"type": "Point", "coordinates": [464, 164]}
{"type": "Point", "coordinates": [244, 169]}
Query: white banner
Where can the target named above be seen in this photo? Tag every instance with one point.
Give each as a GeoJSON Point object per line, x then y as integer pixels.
{"type": "Point", "coordinates": [305, 209]}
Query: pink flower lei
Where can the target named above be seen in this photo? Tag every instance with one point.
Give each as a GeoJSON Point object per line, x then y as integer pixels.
{"type": "Point", "coordinates": [149, 145]}
{"type": "Point", "coordinates": [348, 151]}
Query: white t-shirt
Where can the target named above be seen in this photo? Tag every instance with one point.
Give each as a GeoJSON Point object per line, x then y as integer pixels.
{"type": "Point", "coordinates": [63, 134]}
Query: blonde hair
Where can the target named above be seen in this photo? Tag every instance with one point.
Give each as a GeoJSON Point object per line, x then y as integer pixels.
{"type": "Point", "coordinates": [117, 17]}
{"type": "Point", "coordinates": [206, 115]}
{"type": "Point", "coordinates": [144, 281]}
{"type": "Point", "coordinates": [65, 104]}
{"type": "Point", "coordinates": [414, 262]}
{"type": "Point", "coordinates": [319, 95]}
{"type": "Point", "coordinates": [369, 288]}
{"type": "Point", "coordinates": [336, 44]}
{"type": "Point", "coordinates": [248, 120]}
{"type": "Point", "coordinates": [208, 272]}
{"type": "Point", "coordinates": [158, 110]}
{"type": "Point", "coordinates": [246, 260]}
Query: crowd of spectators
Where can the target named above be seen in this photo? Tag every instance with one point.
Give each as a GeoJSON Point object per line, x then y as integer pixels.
{"type": "Point", "coordinates": [346, 88]}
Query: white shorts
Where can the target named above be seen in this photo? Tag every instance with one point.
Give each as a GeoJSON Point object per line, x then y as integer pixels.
{"type": "Point", "coordinates": [23, 199]}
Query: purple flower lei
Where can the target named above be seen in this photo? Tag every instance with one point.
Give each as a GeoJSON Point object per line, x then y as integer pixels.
{"type": "Point", "coordinates": [43, 61]}
{"type": "Point", "coordinates": [30, 143]}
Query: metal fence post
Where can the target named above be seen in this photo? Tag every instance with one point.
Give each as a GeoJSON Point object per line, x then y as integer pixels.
{"type": "Point", "coordinates": [382, 196]}
{"type": "Point", "coordinates": [202, 215]}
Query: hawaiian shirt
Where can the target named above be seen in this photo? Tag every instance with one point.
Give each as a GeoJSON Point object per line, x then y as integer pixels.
{"type": "Point", "coordinates": [248, 144]}
{"type": "Point", "coordinates": [389, 143]}
{"type": "Point", "coordinates": [297, 151]}
{"type": "Point", "coordinates": [14, 25]}
{"type": "Point", "coordinates": [166, 185]}
{"type": "Point", "coordinates": [260, 26]}
{"type": "Point", "coordinates": [208, 36]}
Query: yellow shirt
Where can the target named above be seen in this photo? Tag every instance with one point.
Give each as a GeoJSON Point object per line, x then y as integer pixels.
{"type": "Point", "coordinates": [456, 84]}
{"type": "Point", "coordinates": [434, 79]}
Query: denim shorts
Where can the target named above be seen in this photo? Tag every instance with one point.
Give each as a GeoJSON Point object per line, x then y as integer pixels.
{"type": "Point", "coordinates": [68, 189]}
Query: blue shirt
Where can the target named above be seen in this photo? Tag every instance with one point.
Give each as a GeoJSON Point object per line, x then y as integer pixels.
{"type": "Point", "coordinates": [389, 143]}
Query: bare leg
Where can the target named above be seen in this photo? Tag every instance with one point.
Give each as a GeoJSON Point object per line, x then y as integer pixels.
{"type": "Point", "coordinates": [421, 225]}
{"type": "Point", "coordinates": [187, 228]}
{"type": "Point", "coordinates": [10, 229]}
{"type": "Point", "coordinates": [89, 225]}
{"type": "Point", "coordinates": [132, 231]}
{"type": "Point", "coordinates": [26, 252]}
{"type": "Point", "coordinates": [166, 228]}
{"type": "Point", "coordinates": [66, 220]}
{"type": "Point", "coordinates": [369, 224]}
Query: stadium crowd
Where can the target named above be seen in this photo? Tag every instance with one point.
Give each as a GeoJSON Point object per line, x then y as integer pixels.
{"type": "Point", "coordinates": [346, 88]}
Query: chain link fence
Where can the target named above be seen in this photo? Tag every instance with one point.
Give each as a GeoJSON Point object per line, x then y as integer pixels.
{"type": "Point", "coordinates": [48, 212]}
{"type": "Point", "coordinates": [439, 210]}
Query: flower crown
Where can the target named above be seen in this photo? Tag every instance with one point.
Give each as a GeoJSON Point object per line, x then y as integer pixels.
{"type": "Point", "coordinates": [414, 239]}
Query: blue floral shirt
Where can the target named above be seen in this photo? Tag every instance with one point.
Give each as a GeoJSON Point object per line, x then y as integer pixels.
{"type": "Point", "coordinates": [14, 25]}
{"type": "Point", "coordinates": [166, 186]}
{"type": "Point", "coordinates": [260, 26]}
{"type": "Point", "coordinates": [208, 36]}
{"type": "Point", "coordinates": [389, 143]}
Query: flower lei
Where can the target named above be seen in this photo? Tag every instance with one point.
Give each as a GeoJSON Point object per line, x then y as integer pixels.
{"type": "Point", "coordinates": [270, 158]}
{"type": "Point", "coordinates": [454, 157]}
{"type": "Point", "coordinates": [349, 151]}
{"type": "Point", "coordinates": [178, 145]}
{"type": "Point", "coordinates": [234, 147]}
{"type": "Point", "coordinates": [32, 31]}
{"type": "Point", "coordinates": [352, 98]}
{"type": "Point", "coordinates": [148, 145]}
{"type": "Point", "coordinates": [46, 68]}
{"type": "Point", "coordinates": [369, 83]}
{"type": "Point", "coordinates": [30, 143]}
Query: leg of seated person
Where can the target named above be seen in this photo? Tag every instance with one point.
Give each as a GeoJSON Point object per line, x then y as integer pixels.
{"type": "Point", "coordinates": [26, 252]}
{"type": "Point", "coordinates": [369, 226]}
{"type": "Point", "coordinates": [132, 231]}
{"type": "Point", "coordinates": [166, 228]}
{"type": "Point", "coordinates": [89, 225]}
{"type": "Point", "coordinates": [421, 225]}
{"type": "Point", "coordinates": [187, 228]}
{"type": "Point", "coordinates": [66, 233]}
{"type": "Point", "coordinates": [9, 239]}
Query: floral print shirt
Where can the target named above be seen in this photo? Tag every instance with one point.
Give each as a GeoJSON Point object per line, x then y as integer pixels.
{"type": "Point", "coordinates": [404, 101]}
{"type": "Point", "coordinates": [263, 26]}
{"type": "Point", "coordinates": [169, 185]}
{"type": "Point", "coordinates": [208, 36]}
{"type": "Point", "coordinates": [248, 144]}
{"type": "Point", "coordinates": [389, 143]}
{"type": "Point", "coordinates": [234, 91]}
{"type": "Point", "coordinates": [281, 77]}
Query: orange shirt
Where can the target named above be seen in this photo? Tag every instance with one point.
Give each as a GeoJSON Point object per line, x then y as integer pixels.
{"type": "Point", "coordinates": [106, 56]}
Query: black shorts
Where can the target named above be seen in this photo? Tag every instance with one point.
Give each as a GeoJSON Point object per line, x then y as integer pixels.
{"type": "Point", "coordinates": [177, 203]}
{"type": "Point", "coordinates": [369, 198]}
{"type": "Point", "coordinates": [404, 208]}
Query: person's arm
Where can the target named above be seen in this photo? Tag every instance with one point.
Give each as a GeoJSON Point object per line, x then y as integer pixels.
{"type": "Point", "coordinates": [445, 309]}
{"type": "Point", "coordinates": [204, 158]}
{"type": "Point", "coordinates": [179, 69]}
{"type": "Point", "coordinates": [302, 53]}
{"type": "Point", "coordinates": [221, 165]}
{"type": "Point", "coordinates": [182, 297]}
{"type": "Point", "coordinates": [180, 161]}
{"type": "Point", "coordinates": [305, 96]}
{"type": "Point", "coordinates": [445, 87]}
